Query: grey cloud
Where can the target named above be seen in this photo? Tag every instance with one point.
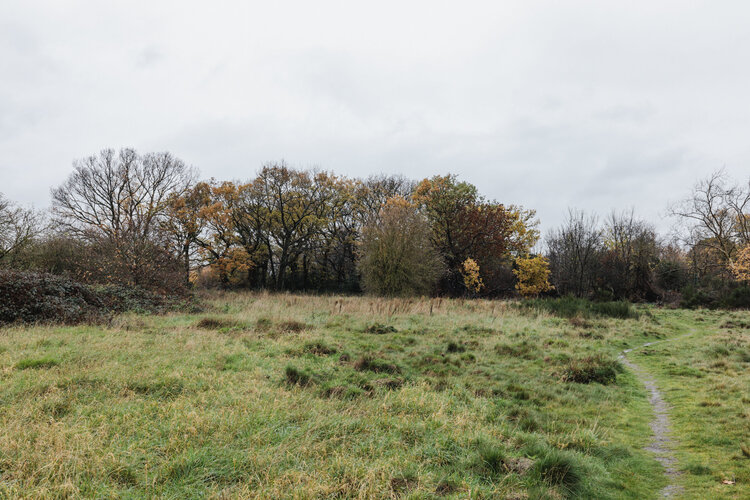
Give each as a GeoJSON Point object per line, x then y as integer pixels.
{"type": "Point", "coordinates": [148, 56]}
{"type": "Point", "coordinates": [543, 104]}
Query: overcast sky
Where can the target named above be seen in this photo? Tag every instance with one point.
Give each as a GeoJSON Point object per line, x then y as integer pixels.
{"type": "Point", "coordinates": [596, 105]}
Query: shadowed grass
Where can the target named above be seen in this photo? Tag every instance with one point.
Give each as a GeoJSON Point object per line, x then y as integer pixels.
{"type": "Point", "coordinates": [37, 363]}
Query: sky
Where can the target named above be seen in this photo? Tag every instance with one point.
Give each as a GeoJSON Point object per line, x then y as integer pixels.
{"type": "Point", "coordinates": [592, 105]}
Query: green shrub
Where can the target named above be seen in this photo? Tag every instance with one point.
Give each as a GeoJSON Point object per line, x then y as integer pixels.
{"type": "Point", "coordinates": [292, 326]}
{"type": "Point", "coordinates": [219, 324]}
{"type": "Point", "coordinates": [523, 349]}
{"type": "Point", "coordinates": [453, 347]}
{"type": "Point", "coordinates": [121, 298]}
{"type": "Point", "coordinates": [620, 309]}
{"type": "Point", "coordinates": [738, 298]}
{"type": "Point", "coordinates": [722, 297]}
{"type": "Point", "coordinates": [490, 460]}
{"type": "Point", "coordinates": [396, 253]}
{"type": "Point", "coordinates": [318, 348]}
{"type": "Point", "coordinates": [27, 297]}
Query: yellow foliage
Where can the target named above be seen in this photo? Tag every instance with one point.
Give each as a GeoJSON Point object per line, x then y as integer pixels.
{"type": "Point", "coordinates": [398, 202]}
{"type": "Point", "coordinates": [740, 267]}
{"type": "Point", "coordinates": [470, 272]}
{"type": "Point", "coordinates": [533, 275]}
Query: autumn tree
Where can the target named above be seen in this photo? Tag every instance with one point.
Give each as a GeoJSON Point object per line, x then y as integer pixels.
{"type": "Point", "coordinates": [472, 279]}
{"type": "Point", "coordinates": [465, 225]}
{"type": "Point", "coordinates": [396, 254]}
{"type": "Point", "coordinates": [184, 222]}
{"type": "Point", "coordinates": [297, 204]}
{"type": "Point", "coordinates": [741, 265]}
{"type": "Point", "coordinates": [533, 275]}
{"type": "Point", "coordinates": [218, 242]}
{"type": "Point", "coordinates": [250, 217]}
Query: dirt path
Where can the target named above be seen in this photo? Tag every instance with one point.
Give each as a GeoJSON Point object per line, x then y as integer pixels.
{"type": "Point", "coordinates": [662, 444]}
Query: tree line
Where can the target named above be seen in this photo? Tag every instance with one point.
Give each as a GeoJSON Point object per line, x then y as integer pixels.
{"type": "Point", "coordinates": [705, 262]}
{"type": "Point", "coordinates": [147, 221]}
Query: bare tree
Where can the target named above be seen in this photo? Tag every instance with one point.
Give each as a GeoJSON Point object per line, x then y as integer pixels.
{"type": "Point", "coordinates": [118, 198]}
{"type": "Point", "coordinates": [631, 252]}
{"type": "Point", "coordinates": [715, 222]}
{"type": "Point", "coordinates": [18, 228]}
{"type": "Point", "coordinates": [573, 252]}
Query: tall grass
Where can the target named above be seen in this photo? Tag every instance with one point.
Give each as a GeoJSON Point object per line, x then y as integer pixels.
{"type": "Point", "coordinates": [569, 307]}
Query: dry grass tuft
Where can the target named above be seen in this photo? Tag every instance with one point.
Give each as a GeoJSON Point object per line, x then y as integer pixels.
{"type": "Point", "coordinates": [292, 326]}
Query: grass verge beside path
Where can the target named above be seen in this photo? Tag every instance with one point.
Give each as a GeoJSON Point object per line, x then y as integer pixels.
{"type": "Point", "coordinates": [705, 378]}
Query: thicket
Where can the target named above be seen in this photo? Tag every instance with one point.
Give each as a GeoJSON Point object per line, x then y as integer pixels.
{"type": "Point", "coordinates": [31, 297]}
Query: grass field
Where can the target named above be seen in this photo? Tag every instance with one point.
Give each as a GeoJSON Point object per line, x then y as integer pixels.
{"type": "Point", "coordinates": [290, 396]}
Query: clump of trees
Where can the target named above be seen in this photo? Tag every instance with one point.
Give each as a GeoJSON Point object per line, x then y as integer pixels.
{"type": "Point", "coordinates": [615, 259]}
{"type": "Point", "coordinates": [146, 221]}
{"type": "Point", "coordinates": [465, 225]}
{"type": "Point", "coordinates": [705, 264]}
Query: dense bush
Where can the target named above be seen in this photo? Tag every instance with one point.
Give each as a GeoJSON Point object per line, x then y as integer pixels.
{"type": "Point", "coordinates": [36, 297]}
{"type": "Point", "coordinates": [736, 297]}
{"type": "Point", "coordinates": [30, 297]}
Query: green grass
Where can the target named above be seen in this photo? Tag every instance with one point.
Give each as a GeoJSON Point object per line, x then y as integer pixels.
{"type": "Point", "coordinates": [292, 396]}
{"type": "Point", "coordinates": [45, 362]}
{"type": "Point", "coordinates": [570, 307]}
{"type": "Point", "coordinates": [705, 377]}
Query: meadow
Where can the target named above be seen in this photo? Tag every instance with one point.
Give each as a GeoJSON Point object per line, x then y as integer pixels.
{"type": "Point", "coordinates": [258, 395]}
